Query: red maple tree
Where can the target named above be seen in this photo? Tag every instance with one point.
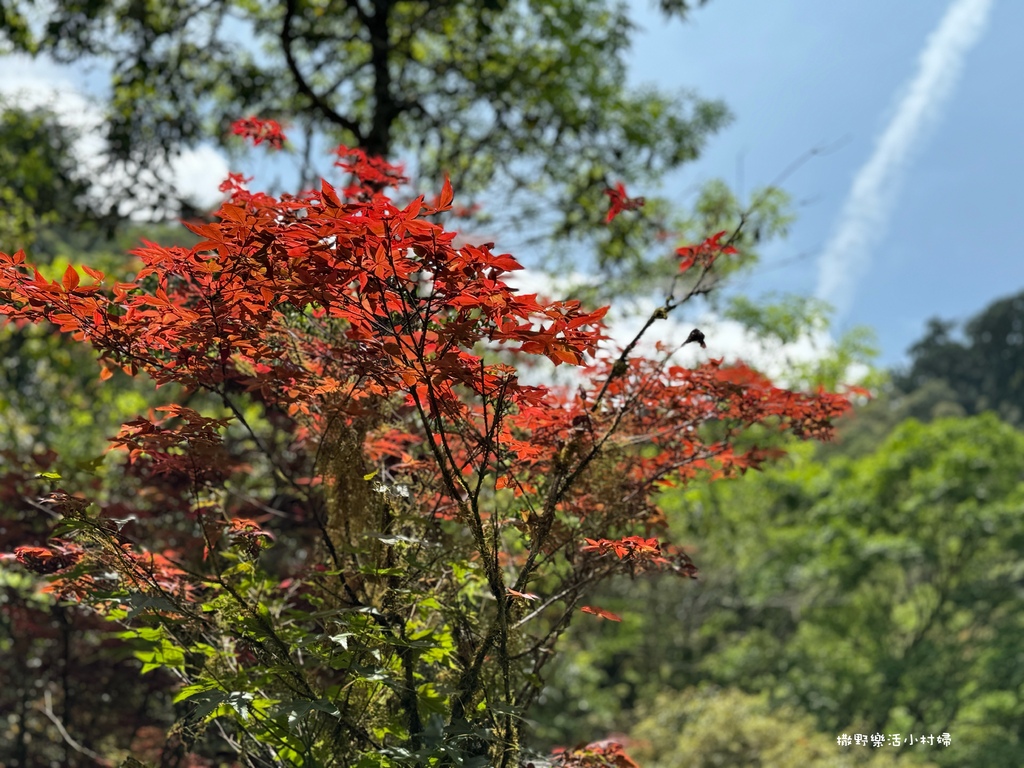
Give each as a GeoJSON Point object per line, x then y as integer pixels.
{"type": "Point", "coordinates": [371, 542]}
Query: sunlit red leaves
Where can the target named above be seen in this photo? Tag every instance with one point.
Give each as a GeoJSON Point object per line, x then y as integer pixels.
{"type": "Point", "coordinates": [153, 571]}
{"type": "Point", "coordinates": [601, 754]}
{"type": "Point", "coordinates": [411, 305]}
{"type": "Point", "coordinates": [619, 201]}
{"type": "Point", "coordinates": [672, 401]}
{"type": "Point", "coordinates": [101, 568]}
{"type": "Point", "coordinates": [258, 131]}
{"type": "Point", "coordinates": [638, 554]}
{"type": "Point", "coordinates": [390, 444]}
{"type": "Point", "coordinates": [445, 199]}
{"type": "Point", "coordinates": [34, 298]}
{"type": "Point", "coordinates": [601, 613]}
{"type": "Point", "coordinates": [341, 305]}
{"type": "Point", "coordinates": [635, 548]}
{"type": "Point", "coordinates": [56, 556]}
{"type": "Point", "coordinates": [705, 253]}
{"type": "Point", "coordinates": [235, 184]}
{"type": "Point", "coordinates": [744, 395]}
{"type": "Point", "coordinates": [141, 571]}
{"type": "Point", "coordinates": [249, 536]}
{"type": "Point", "coordinates": [566, 333]}
{"type": "Point", "coordinates": [656, 426]}
{"type": "Point", "coordinates": [373, 174]}
{"type": "Point", "coordinates": [143, 435]}
{"type": "Point", "coordinates": [181, 443]}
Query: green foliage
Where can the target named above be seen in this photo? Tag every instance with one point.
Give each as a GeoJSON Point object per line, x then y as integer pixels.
{"type": "Point", "coordinates": [49, 396]}
{"type": "Point", "coordinates": [788, 320]}
{"type": "Point", "coordinates": [984, 368]}
{"type": "Point", "coordinates": [42, 185]}
{"type": "Point", "coordinates": [948, 376]}
{"type": "Point", "coordinates": [894, 576]}
{"type": "Point", "coordinates": [623, 254]}
{"type": "Point", "coordinates": [524, 98]}
{"type": "Point", "coordinates": [784, 321]}
{"type": "Point", "coordinates": [863, 430]}
{"type": "Point", "coordinates": [709, 727]}
{"type": "Point", "coordinates": [877, 593]}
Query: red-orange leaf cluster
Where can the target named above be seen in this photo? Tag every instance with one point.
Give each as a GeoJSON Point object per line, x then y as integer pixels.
{"type": "Point", "coordinates": [56, 556]}
{"type": "Point", "coordinates": [601, 613]}
{"type": "Point", "coordinates": [704, 254]}
{"type": "Point", "coordinates": [619, 201]}
{"type": "Point", "coordinates": [630, 548]}
{"type": "Point", "coordinates": [374, 174]}
{"type": "Point", "coordinates": [600, 754]}
{"type": "Point", "coordinates": [258, 131]}
{"type": "Point", "coordinates": [400, 443]}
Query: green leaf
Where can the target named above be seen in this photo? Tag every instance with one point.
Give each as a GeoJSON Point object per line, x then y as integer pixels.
{"type": "Point", "coordinates": [192, 690]}
{"type": "Point", "coordinates": [147, 604]}
{"type": "Point", "coordinates": [90, 465]}
{"type": "Point", "coordinates": [294, 710]}
{"type": "Point", "coordinates": [157, 649]}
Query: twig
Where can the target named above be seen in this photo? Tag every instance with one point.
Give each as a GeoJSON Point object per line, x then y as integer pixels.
{"type": "Point", "coordinates": [48, 711]}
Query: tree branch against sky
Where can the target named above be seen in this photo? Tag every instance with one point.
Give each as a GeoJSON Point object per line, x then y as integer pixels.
{"type": "Point", "coordinates": [523, 96]}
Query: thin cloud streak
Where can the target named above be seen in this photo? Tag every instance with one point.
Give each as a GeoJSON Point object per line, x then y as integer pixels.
{"type": "Point", "coordinates": [869, 203]}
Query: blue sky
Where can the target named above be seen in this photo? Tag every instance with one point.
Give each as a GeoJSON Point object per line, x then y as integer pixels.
{"type": "Point", "coordinates": [804, 74]}
{"type": "Point", "coordinates": [800, 74]}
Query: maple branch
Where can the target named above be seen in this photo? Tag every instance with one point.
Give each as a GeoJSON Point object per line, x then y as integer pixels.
{"type": "Point", "coordinates": [563, 482]}
{"type": "Point", "coordinates": [238, 414]}
{"type": "Point", "coordinates": [469, 682]}
{"type": "Point", "coordinates": [698, 287]}
{"type": "Point", "coordinates": [541, 650]}
{"type": "Point", "coordinates": [47, 709]}
{"type": "Point", "coordinates": [556, 597]}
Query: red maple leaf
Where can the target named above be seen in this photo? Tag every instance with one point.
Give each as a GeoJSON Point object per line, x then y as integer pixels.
{"type": "Point", "coordinates": [601, 613]}
{"type": "Point", "coordinates": [258, 131]}
{"type": "Point", "coordinates": [619, 201]}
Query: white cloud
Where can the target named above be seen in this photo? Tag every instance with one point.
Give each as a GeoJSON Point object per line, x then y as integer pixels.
{"type": "Point", "coordinates": [869, 203]}
{"type": "Point", "coordinates": [726, 339]}
{"type": "Point", "coordinates": [197, 173]}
